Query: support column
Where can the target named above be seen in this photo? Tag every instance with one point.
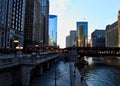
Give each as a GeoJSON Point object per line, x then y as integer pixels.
{"type": "Point", "coordinates": [25, 75]}
{"type": "Point", "coordinates": [52, 62]}
{"type": "Point", "coordinates": [48, 65]}
{"type": "Point", "coordinates": [40, 70]}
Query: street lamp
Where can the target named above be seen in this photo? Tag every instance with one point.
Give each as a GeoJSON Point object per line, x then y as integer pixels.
{"type": "Point", "coordinates": [19, 48]}
{"type": "Point", "coordinates": [16, 41]}
{"type": "Point", "coordinates": [15, 45]}
{"type": "Point", "coordinates": [36, 47]}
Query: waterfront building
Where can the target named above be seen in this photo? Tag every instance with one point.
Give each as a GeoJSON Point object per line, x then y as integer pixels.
{"type": "Point", "coordinates": [45, 12]}
{"type": "Point", "coordinates": [82, 34]}
{"type": "Point", "coordinates": [52, 30]}
{"type": "Point", "coordinates": [119, 28]}
{"type": "Point", "coordinates": [36, 23]}
{"type": "Point", "coordinates": [98, 38]}
{"type": "Point", "coordinates": [11, 23]}
{"type": "Point", "coordinates": [113, 33]}
{"type": "Point", "coordinates": [73, 37]}
{"type": "Point", "coordinates": [68, 41]}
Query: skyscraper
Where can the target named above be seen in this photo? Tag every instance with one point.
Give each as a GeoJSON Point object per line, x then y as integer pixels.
{"type": "Point", "coordinates": [68, 41]}
{"type": "Point", "coordinates": [36, 22]}
{"type": "Point", "coordinates": [98, 38]}
{"type": "Point", "coordinates": [45, 12]}
{"type": "Point", "coordinates": [52, 30]}
{"type": "Point", "coordinates": [73, 37]}
{"type": "Point", "coordinates": [11, 23]}
{"type": "Point", "coordinates": [82, 34]}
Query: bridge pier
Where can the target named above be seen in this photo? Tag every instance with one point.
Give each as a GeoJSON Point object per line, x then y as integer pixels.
{"type": "Point", "coordinates": [48, 65]}
{"type": "Point", "coordinates": [18, 71]}
{"type": "Point", "coordinates": [25, 75]}
{"type": "Point", "coordinates": [5, 79]}
{"type": "Point", "coordinates": [41, 70]}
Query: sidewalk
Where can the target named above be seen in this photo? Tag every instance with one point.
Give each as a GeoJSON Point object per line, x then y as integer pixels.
{"type": "Point", "coordinates": [75, 76]}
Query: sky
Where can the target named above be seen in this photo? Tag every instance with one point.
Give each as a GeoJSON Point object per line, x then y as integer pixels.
{"type": "Point", "coordinates": [98, 14]}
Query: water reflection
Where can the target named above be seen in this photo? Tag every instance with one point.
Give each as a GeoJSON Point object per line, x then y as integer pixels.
{"type": "Point", "coordinates": [48, 77]}
{"type": "Point", "coordinates": [105, 73]}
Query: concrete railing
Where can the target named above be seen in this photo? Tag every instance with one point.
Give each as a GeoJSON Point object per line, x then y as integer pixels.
{"type": "Point", "coordinates": [14, 61]}
{"type": "Point", "coordinates": [8, 62]}
{"type": "Point", "coordinates": [37, 60]}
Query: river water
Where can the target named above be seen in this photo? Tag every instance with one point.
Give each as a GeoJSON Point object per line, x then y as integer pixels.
{"type": "Point", "coordinates": [48, 77]}
{"type": "Point", "coordinates": [101, 74]}
{"type": "Point", "coordinates": [95, 74]}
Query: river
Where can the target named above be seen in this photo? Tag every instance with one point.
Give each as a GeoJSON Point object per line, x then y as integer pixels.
{"type": "Point", "coordinates": [101, 74]}
{"type": "Point", "coordinates": [95, 74]}
{"type": "Point", "coordinates": [48, 77]}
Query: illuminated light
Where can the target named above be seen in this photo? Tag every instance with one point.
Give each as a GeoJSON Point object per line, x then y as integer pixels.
{"type": "Point", "coordinates": [19, 47]}
{"type": "Point", "coordinates": [85, 58]}
{"type": "Point", "coordinates": [90, 60]}
{"type": "Point", "coordinates": [16, 41]}
{"type": "Point", "coordinates": [36, 45]}
{"type": "Point", "coordinates": [8, 47]}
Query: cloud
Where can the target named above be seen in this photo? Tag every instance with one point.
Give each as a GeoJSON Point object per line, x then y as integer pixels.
{"type": "Point", "coordinates": [58, 5]}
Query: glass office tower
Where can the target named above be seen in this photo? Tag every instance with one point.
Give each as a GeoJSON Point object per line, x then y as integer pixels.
{"type": "Point", "coordinates": [82, 34]}
{"type": "Point", "coordinates": [52, 30]}
{"type": "Point", "coordinates": [45, 12]}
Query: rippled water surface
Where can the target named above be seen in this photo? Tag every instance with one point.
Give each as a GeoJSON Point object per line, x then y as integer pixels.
{"type": "Point", "coordinates": [48, 77]}
{"type": "Point", "coordinates": [101, 75]}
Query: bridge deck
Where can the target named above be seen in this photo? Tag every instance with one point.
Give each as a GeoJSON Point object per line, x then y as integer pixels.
{"type": "Point", "coordinates": [10, 61]}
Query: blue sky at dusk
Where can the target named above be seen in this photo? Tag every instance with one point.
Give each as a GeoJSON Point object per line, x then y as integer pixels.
{"type": "Point", "coordinates": [98, 13]}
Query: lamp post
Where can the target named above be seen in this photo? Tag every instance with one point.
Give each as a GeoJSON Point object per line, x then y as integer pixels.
{"type": "Point", "coordinates": [19, 48]}
{"type": "Point", "coordinates": [36, 47]}
{"type": "Point", "coordinates": [15, 45]}
{"type": "Point", "coordinates": [55, 71]}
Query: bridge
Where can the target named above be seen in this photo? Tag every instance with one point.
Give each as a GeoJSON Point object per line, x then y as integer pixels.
{"type": "Point", "coordinates": [98, 51]}
{"type": "Point", "coordinates": [95, 51]}
{"type": "Point", "coordinates": [19, 70]}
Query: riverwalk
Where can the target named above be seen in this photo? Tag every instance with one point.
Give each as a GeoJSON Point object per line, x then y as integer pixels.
{"type": "Point", "coordinates": [75, 76]}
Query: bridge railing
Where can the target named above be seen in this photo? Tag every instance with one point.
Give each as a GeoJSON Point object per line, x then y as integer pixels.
{"type": "Point", "coordinates": [14, 61]}
{"type": "Point", "coordinates": [37, 60]}
{"type": "Point", "coordinates": [29, 60]}
{"type": "Point", "coordinates": [8, 62]}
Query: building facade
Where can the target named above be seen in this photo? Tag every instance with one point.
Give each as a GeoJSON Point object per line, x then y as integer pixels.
{"type": "Point", "coordinates": [73, 37]}
{"type": "Point", "coordinates": [3, 25]}
{"type": "Point", "coordinates": [82, 34]}
{"type": "Point", "coordinates": [45, 12]}
{"type": "Point", "coordinates": [52, 30]}
{"type": "Point", "coordinates": [36, 23]}
{"type": "Point", "coordinates": [98, 38]}
{"type": "Point", "coordinates": [11, 23]}
{"type": "Point", "coordinates": [113, 33]}
{"type": "Point", "coordinates": [119, 28]}
{"type": "Point", "coordinates": [68, 41]}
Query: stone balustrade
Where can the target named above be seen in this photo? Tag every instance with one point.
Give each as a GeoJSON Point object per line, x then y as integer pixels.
{"type": "Point", "coordinates": [13, 61]}
{"type": "Point", "coordinates": [8, 62]}
{"type": "Point", "coordinates": [19, 69]}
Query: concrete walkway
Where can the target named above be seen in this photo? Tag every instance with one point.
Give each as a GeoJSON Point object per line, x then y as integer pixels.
{"type": "Point", "coordinates": [75, 76]}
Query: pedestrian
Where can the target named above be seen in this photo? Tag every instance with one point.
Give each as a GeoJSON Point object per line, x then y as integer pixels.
{"type": "Point", "coordinates": [74, 71]}
{"type": "Point", "coordinates": [82, 78]}
{"type": "Point", "coordinates": [74, 75]}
